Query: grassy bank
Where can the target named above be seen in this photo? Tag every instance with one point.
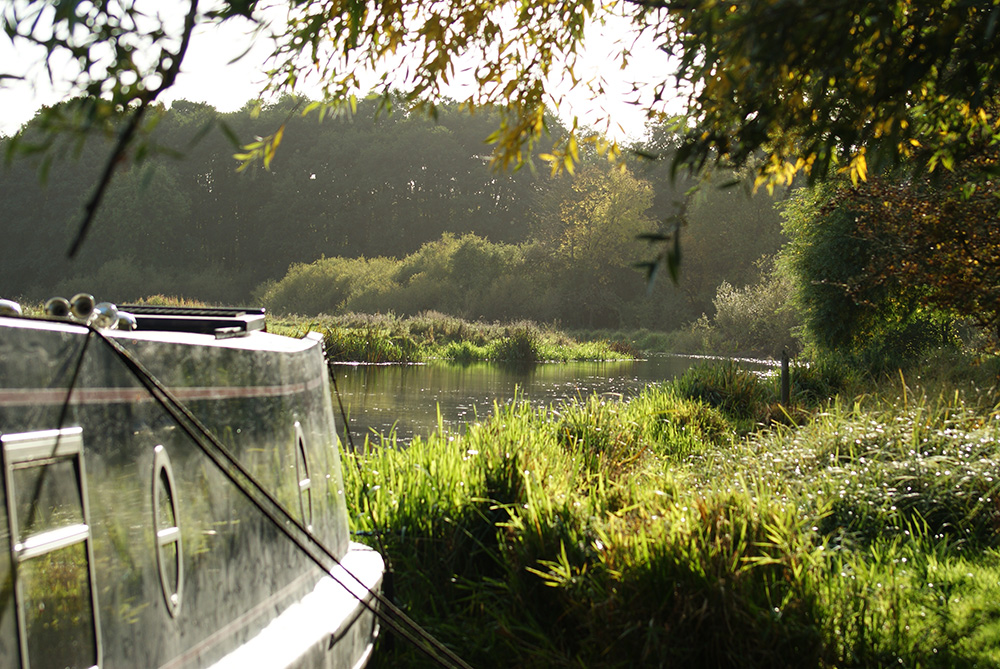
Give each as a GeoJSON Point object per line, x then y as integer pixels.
{"type": "Point", "coordinates": [857, 532]}
{"type": "Point", "coordinates": [385, 338]}
{"type": "Point", "coordinates": [432, 335]}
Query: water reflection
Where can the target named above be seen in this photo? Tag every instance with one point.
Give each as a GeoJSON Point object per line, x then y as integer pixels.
{"type": "Point", "coordinates": [407, 398]}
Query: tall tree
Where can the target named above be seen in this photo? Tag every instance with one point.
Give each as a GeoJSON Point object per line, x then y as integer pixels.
{"type": "Point", "coordinates": [590, 224]}
{"type": "Point", "coordinates": [846, 310]}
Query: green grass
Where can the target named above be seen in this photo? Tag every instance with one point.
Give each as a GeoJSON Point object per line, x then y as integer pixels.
{"type": "Point", "coordinates": [431, 335]}
{"type": "Point", "coordinates": [649, 533]}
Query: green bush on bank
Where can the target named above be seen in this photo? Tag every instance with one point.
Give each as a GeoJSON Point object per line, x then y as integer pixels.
{"type": "Point", "coordinates": [606, 533]}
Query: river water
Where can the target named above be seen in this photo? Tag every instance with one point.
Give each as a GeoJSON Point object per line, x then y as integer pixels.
{"type": "Point", "coordinates": [408, 398]}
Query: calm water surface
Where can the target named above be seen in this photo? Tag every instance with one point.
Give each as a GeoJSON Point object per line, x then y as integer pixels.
{"type": "Point", "coordinates": [407, 398]}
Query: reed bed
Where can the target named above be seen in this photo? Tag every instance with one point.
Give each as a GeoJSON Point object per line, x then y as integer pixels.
{"type": "Point", "coordinates": [650, 533]}
{"type": "Point", "coordinates": [382, 338]}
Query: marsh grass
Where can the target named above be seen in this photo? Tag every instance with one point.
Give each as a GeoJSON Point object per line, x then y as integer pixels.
{"type": "Point", "coordinates": [382, 338]}
{"type": "Point", "coordinates": [648, 533]}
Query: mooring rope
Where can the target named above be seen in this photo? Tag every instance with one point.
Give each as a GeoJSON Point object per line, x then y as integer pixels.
{"type": "Point", "coordinates": [388, 582]}
{"type": "Point", "coordinates": [266, 503]}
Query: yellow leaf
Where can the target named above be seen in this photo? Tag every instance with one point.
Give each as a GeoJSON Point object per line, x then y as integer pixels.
{"type": "Point", "coordinates": [860, 168]}
{"type": "Point", "coordinates": [568, 164]}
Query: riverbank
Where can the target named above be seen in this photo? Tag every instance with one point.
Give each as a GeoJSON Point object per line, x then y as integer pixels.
{"type": "Point", "coordinates": [383, 338]}
{"type": "Point", "coordinates": [690, 527]}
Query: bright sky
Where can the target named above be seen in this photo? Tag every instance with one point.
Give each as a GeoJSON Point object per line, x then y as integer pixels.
{"type": "Point", "coordinates": [209, 76]}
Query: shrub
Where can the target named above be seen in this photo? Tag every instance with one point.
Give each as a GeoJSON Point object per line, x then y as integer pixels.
{"type": "Point", "coordinates": [327, 285]}
{"type": "Point", "coordinates": [755, 320]}
{"type": "Point", "coordinates": [817, 382]}
{"type": "Point", "coordinates": [733, 390]}
{"type": "Point", "coordinates": [520, 344]}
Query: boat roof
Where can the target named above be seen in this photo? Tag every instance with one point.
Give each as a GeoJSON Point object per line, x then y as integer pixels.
{"type": "Point", "coordinates": [219, 321]}
{"type": "Point", "coordinates": [241, 331]}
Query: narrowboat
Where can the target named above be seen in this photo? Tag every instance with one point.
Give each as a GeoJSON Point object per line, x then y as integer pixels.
{"type": "Point", "coordinates": [171, 496]}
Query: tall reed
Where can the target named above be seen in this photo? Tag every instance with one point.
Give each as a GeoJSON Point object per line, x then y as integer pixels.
{"type": "Point", "coordinates": [647, 533]}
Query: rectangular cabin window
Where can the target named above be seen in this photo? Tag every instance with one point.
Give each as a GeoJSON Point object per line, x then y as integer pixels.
{"type": "Point", "coordinates": [51, 549]}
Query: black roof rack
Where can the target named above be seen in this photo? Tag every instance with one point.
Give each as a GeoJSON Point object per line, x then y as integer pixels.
{"type": "Point", "coordinates": [220, 321]}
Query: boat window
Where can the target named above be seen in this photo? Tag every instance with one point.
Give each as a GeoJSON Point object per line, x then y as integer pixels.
{"type": "Point", "coordinates": [166, 529]}
{"type": "Point", "coordinates": [302, 475]}
{"type": "Point", "coordinates": [52, 549]}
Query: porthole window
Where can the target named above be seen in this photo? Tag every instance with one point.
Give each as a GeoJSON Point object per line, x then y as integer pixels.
{"type": "Point", "coordinates": [302, 476]}
{"type": "Point", "coordinates": [166, 529]}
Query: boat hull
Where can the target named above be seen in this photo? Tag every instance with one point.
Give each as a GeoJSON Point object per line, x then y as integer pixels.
{"type": "Point", "coordinates": [122, 544]}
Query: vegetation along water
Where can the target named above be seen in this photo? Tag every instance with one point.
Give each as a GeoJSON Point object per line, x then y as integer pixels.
{"type": "Point", "coordinates": [703, 524]}
{"type": "Point", "coordinates": [829, 191]}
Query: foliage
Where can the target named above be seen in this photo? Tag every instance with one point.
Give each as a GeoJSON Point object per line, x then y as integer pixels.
{"type": "Point", "coordinates": [594, 218]}
{"type": "Point", "coordinates": [468, 277]}
{"type": "Point", "coordinates": [752, 318]}
{"type": "Point", "coordinates": [757, 320]}
{"type": "Point", "coordinates": [589, 227]}
{"type": "Point", "coordinates": [937, 238]}
{"type": "Point", "coordinates": [122, 61]}
{"type": "Point", "coordinates": [334, 190]}
{"type": "Point", "coordinates": [820, 381]}
{"type": "Point", "coordinates": [726, 226]}
{"type": "Point", "coordinates": [477, 244]}
{"type": "Point", "coordinates": [809, 85]}
{"type": "Point", "coordinates": [606, 533]}
{"type": "Point", "coordinates": [814, 86]}
{"type": "Point", "coordinates": [880, 325]}
{"type": "Point", "coordinates": [736, 392]}
{"type": "Point", "coordinates": [429, 335]}
{"type": "Point", "coordinates": [327, 285]}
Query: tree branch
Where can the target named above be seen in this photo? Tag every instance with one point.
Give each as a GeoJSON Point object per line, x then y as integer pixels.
{"type": "Point", "coordinates": [168, 75]}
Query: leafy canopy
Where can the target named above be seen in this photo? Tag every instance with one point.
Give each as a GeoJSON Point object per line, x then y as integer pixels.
{"type": "Point", "coordinates": [937, 238]}
{"type": "Point", "coordinates": [810, 85]}
{"type": "Point", "coordinates": [121, 54]}
{"type": "Point", "coordinates": [839, 83]}
{"type": "Point", "coordinates": [854, 304]}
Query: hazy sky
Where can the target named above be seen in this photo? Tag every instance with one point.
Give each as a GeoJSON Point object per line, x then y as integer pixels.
{"type": "Point", "coordinates": [208, 76]}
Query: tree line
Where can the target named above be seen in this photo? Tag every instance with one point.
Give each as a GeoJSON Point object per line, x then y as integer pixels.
{"type": "Point", "coordinates": [367, 193]}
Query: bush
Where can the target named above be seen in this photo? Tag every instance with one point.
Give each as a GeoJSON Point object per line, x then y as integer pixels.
{"type": "Point", "coordinates": [817, 382]}
{"type": "Point", "coordinates": [328, 285]}
{"type": "Point", "coordinates": [522, 343]}
{"type": "Point", "coordinates": [877, 326]}
{"type": "Point", "coordinates": [756, 320]}
{"type": "Point", "coordinates": [726, 386]}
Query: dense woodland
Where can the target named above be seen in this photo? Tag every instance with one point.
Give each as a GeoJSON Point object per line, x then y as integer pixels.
{"type": "Point", "coordinates": [376, 212]}
{"type": "Point", "coordinates": [403, 213]}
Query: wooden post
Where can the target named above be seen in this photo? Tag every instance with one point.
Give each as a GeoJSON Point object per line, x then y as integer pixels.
{"type": "Point", "coordinates": [785, 384]}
